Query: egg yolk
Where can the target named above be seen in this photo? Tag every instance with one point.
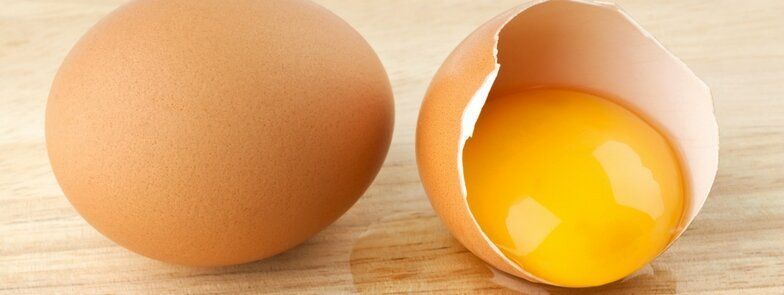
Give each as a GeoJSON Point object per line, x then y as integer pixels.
{"type": "Point", "coordinates": [576, 189]}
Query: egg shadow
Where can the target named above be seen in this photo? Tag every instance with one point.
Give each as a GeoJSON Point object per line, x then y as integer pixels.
{"type": "Point", "coordinates": [271, 274]}
{"type": "Point", "coordinates": [413, 252]}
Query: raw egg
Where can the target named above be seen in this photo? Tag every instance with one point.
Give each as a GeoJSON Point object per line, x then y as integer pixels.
{"type": "Point", "coordinates": [217, 132]}
{"type": "Point", "coordinates": [571, 150]}
{"type": "Point", "coordinates": [596, 180]}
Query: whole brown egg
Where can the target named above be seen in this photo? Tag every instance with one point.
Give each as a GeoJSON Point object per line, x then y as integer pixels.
{"type": "Point", "coordinates": [217, 132]}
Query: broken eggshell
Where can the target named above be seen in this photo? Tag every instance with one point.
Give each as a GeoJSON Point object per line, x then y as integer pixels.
{"type": "Point", "coordinates": [590, 46]}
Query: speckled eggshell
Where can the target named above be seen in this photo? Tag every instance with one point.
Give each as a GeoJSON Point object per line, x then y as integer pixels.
{"type": "Point", "coordinates": [217, 132]}
{"type": "Point", "coordinates": [575, 44]}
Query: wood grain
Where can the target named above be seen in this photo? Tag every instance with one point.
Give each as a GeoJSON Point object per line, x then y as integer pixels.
{"type": "Point", "coordinates": [391, 240]}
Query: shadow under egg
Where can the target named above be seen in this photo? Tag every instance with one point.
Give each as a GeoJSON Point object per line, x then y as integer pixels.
{"type": "Point", "coordinates": [648, 280]}
{"type": "Point", "coordinates": [413, 252]}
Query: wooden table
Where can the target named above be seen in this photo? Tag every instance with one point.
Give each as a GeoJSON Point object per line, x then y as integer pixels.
{"type": "Point", "coordinates": [391, 241]}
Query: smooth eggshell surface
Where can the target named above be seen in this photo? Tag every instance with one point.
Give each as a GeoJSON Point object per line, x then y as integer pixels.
{"type": "Point", "coordinates": [217, 132]}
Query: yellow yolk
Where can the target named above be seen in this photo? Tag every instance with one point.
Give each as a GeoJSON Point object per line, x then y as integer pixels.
{"type": "Point", "coordinates": [577, 190]}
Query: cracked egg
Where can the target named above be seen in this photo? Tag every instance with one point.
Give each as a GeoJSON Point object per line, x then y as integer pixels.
{"type": "Point", "coordinates": [564, 145]}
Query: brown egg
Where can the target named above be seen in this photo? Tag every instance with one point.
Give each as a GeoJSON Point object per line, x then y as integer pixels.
{"type": "Point", "coordinates": [582, 45]}
{"type": "Point", "coordinates": [217, 132]}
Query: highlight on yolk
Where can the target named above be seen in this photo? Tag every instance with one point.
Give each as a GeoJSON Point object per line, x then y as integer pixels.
{"type": "Point", "coordinates": [576, 189]}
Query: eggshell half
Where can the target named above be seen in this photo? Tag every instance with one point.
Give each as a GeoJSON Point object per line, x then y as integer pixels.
{"type": "Point", "coordinates": [571, 44]}
{"type": "Point", "coordinates": [217, 132]}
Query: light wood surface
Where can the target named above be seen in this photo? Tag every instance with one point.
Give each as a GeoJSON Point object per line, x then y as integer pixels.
{"type": "Point", "coordinates": [391, 241]}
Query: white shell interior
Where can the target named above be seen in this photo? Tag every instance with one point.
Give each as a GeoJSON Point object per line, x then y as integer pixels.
{"type": "Point", "coordinates": [598, 48]}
